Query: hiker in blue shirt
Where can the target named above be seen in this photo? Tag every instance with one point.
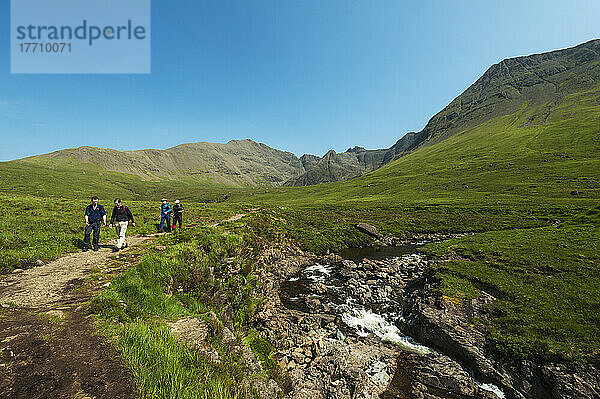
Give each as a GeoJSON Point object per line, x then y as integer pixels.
{"type": "Point", "coordinates": [94, 215]}
{"type": "Point", "coordinates": [165, 215]}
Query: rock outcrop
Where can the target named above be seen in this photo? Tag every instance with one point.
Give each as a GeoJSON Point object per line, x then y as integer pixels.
{"type": "Point", "coordinates": [326, 355]}
{"type": "Point", "coordinates": [446, 325]}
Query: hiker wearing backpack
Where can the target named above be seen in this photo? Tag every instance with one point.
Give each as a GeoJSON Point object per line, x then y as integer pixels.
{"type": "Point", "coordinates": [120, 217]}
{"type": "Point", "coordinates": [177, 214]}
{"type": "Point", "coordinates": [165, 215]}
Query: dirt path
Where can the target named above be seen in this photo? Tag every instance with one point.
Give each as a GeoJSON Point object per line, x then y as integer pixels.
{"type": "Point", "coordinates": [48, 357]}
{"type": "Point", "coordinates": [45, 285]}
{"type": "Point", "coordinates": [48, 347]}
{"type": "Point", "coordinates": [233, 218]}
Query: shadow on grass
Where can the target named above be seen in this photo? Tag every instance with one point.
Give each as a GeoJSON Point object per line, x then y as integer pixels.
{"type": "Point", "coordinates": [77, 242]}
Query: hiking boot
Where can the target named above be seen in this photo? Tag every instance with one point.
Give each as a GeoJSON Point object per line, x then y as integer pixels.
{"type": "Point", "coordinates": [115, 249]}
{"type": "Point", "coordinates": [85, 249]}
{"type": "Point", "coordinates": [125, 246]}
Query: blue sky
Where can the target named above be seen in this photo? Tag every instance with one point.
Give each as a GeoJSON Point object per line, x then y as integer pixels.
{"type": "Point", "coordinates": [303, 76]}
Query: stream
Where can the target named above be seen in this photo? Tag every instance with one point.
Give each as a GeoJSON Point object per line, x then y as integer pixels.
{"type": "Point", "coordinates": [366, 291]}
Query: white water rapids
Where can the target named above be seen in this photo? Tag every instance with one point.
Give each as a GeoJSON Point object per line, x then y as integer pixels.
{"type": "Point", "coordinates": [364, 321]}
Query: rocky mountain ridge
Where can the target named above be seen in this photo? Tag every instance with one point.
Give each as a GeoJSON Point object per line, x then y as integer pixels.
{"type": "Point", "coordinates": [503, 89]}
{"type": "Point", "coordinates": [235, 163]}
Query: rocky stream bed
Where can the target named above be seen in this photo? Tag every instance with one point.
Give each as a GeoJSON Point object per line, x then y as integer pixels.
{"type": "Point", "coordinates": [356, 327]}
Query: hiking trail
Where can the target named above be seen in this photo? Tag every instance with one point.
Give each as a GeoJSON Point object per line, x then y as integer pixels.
{"type": "Point", "coordinates": [45, 285]}
{"type": "Point", "coordinates": [48, 345]}
{"type": "Point", "coordinates": [42, 286]}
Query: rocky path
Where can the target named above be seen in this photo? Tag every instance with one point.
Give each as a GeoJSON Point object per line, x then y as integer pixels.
{"type": "Point", "coordinates": [45, 285]}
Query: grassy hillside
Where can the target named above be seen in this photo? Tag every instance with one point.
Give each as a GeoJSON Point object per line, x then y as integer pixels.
{"type": "Point", "coordinates": [504, 88]}
{"type": "Point", "coordinates": [70, 179]}
{"type": "Point", "coordinates": [541, 154]}
{"type": "Point", "coordinates": [236, 163]}
{"type": "Point", "coordinates": [546, 281]}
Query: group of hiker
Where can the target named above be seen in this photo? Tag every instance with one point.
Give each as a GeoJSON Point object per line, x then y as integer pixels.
{"type": "Point", "coordinates": [121, 216]}
{"type": "Point", "coordinates": [165, 215]}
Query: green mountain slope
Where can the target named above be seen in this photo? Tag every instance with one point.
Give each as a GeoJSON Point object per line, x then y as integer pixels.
{"type": "Point", "coordinates": [541, 80]}
{"type": "Point", "coordinates": [71, 179]}
{"type": "Point", "coordinates": [507, 158]}
{"type": "Point", "coordinates": [236, 163]}
{"type": "Point", "coordinates": [503, 89]}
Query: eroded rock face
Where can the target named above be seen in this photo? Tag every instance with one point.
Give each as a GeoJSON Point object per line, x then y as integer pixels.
{"type": "Point", "coordinates": [432, 376]}
{"type": "Point", "coordinates": [444, 324]}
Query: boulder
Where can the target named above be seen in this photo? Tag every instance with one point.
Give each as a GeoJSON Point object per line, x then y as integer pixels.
{"type": "Point", "coordinates": [369, 229]}
{"type": "Point", "coordinates": [190, 329]}
{"type": "Point", "coordinates": [433, 376]}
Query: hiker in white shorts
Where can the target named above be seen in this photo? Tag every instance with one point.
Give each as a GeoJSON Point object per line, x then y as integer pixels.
{"type": "Point", "coordinates": [121, 215]}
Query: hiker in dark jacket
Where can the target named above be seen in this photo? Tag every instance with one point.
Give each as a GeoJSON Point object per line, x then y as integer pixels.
{"type": "Point", "coordinates": [177, 213]}
{"type": "Point", "coordinates": [165, 215]}
{"type": "Point", "coordinates": [120, 217]}
{"type": "Point", "coordinates": [94, 215]}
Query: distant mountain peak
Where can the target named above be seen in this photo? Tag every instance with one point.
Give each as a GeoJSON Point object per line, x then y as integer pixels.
{"type": "Point", "coordinates": [356, 149]}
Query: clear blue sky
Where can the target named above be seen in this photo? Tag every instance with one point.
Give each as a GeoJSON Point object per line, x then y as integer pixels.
{"type": "Point", "coordinates": [302, 76]}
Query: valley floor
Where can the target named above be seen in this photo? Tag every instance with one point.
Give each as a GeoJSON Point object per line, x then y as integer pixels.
{"type": "Point", "coordinates": [235, 308]}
